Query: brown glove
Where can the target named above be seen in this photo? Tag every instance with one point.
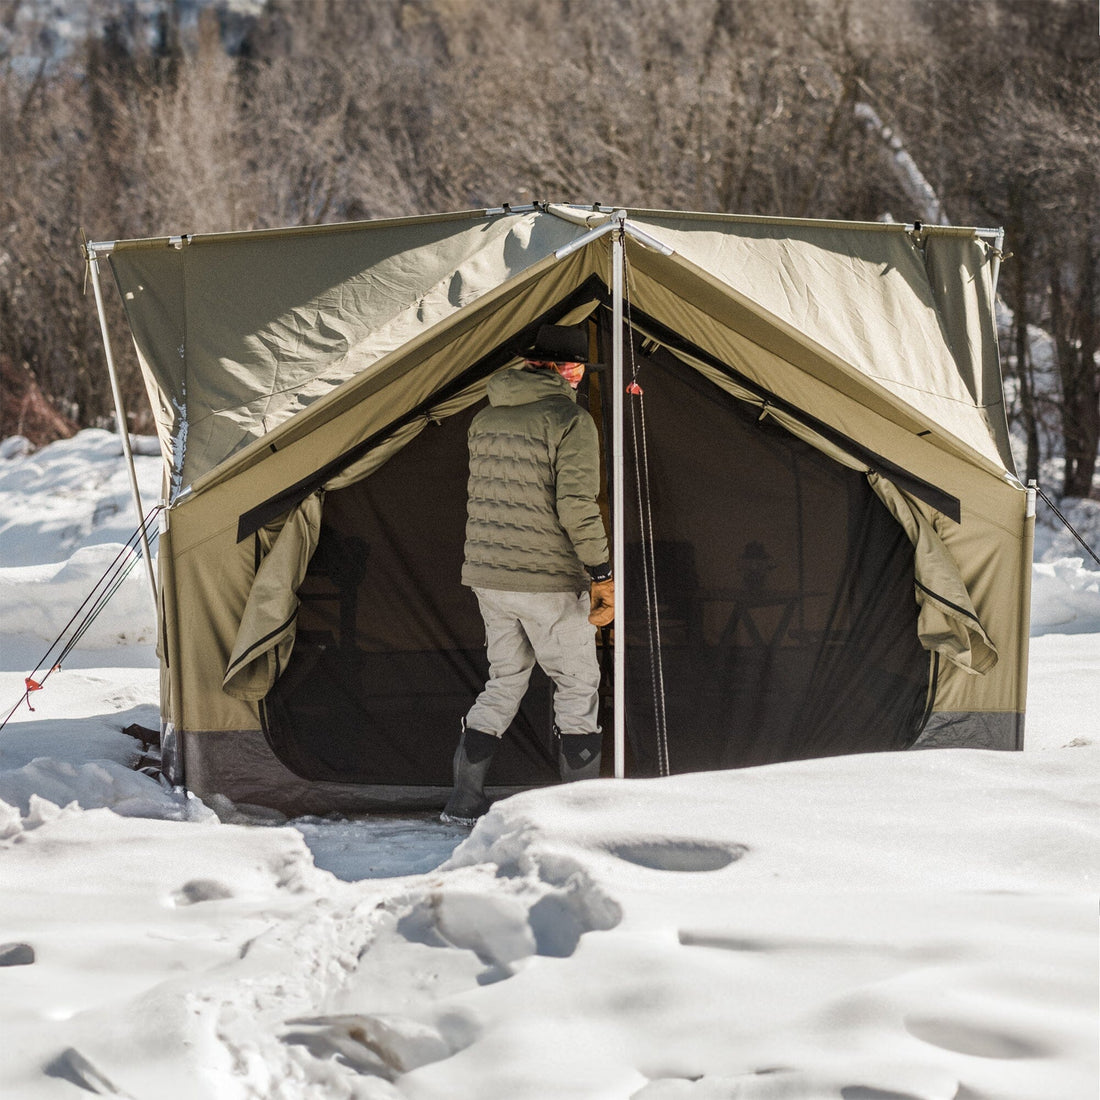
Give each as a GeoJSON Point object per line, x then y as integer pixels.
{"type": "Point", "coordinates": [603, 602]}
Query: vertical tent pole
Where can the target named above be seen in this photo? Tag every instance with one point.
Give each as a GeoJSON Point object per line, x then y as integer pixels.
{"type": "Point", "coordinates": [120, 415]}
{"type": "Point", "coordinates": [617, 465]}
{"type": "Point", "coordinates": [1023, 655]}
{"type": "Point", "coordinates": [998, 253]}
{"type": "Point", "coordinates": [619, 229]}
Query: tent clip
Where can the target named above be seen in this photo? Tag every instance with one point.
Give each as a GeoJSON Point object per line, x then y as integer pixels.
{"type": "Point", "coordinates": [512, 208]}
{"type": "Point", "coordinates": [87, 252]}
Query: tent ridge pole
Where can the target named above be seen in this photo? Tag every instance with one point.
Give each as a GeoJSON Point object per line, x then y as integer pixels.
{"type": "Point", "coordinates": [585, 239]}
{"type": "Point", "coordinates": [120, 416]}
{"type": "Point", "coordinates": [644, 238]}
{"type": "Point", "coordinates": [618, 238]}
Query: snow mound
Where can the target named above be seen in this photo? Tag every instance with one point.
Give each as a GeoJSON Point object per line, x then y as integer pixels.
{"type": "Point", "coordinates": [797, 825]}
{"type": "Point", "coordinates": [15, 446]}
{"type": "Point", "coordinates": [1054, 540]}
{"type": "Point", "coordinates": [41, 601]}
{"type": "Point", "coordinates": [1065, 598]}
{"type": "Point", "coordinates": [68, 495]}
{"type": "Point", "coordinates": [97, 784]}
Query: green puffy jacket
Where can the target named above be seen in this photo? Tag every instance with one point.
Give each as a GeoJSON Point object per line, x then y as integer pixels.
{"type": "Point", "coordinates": [532, 518]}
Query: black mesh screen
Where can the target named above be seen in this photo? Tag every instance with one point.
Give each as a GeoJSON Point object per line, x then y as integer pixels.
{"type": "Point", "coordinates": [784, 598]}
{"type": "Point", "coordinates": [390, 651]}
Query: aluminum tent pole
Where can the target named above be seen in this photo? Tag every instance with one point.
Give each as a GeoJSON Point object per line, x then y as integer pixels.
{"type": "Point", "coordinates": [120, 415]}
{"type": "Point", "coordinates": [998, 255]}
{"type": "Point", "coordinates": [1023, 654]}
{"type": "Point", "coordinates": [617, 466]}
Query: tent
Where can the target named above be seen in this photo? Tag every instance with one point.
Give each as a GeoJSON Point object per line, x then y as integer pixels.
{"type": "Point", "coordinates": [820, 541]}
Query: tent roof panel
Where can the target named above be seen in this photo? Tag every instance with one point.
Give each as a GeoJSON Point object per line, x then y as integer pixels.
{"type": "Point", "coordinates": [866, 298]}
{"type": "Point", "coordinates": [239, 333]}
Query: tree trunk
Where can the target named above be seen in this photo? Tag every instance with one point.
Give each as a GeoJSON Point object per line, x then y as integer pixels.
{"type": "Point", "coordinates": [1077, 338]}
{"type": "Point", "coordinates": [1027, 394]}
{"type": "Point", "coordinates": [918, 190]}
{"type": "Point", "coordinates": [1029, 411]}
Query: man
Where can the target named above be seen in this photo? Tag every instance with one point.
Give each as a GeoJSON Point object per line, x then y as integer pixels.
{"type": "Point", "coordinates": [536, 557]}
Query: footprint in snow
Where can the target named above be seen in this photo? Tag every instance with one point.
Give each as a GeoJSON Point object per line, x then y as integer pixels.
{"type": "Point", "coordinates": [16, 954]}
{"type": "Point", "coordinates": [677, 855]}
{"type": "Point", "coordinates": [383, 1046]}
{"type": "Point", "coordinates": [70, 1065]}
{"type": "Point", "coordinates": [201, 889]}
{"type": "Point", "coordinates": [976, 1041]}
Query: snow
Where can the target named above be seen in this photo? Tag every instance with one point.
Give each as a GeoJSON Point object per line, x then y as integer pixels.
{"type": "Point", "coordinates": [909, 926]}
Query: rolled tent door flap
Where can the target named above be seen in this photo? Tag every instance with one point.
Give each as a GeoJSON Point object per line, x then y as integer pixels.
{"type": "Point", "coordinates": [947, 622]}
{"type": "Point", "coordinates": [265, 638]}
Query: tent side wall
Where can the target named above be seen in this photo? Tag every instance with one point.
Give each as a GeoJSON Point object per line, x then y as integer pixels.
{"type": "Point", "coordinates": [995, 540]}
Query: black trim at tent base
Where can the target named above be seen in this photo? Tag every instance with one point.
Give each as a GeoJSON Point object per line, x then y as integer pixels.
{"type": "Point", "coordinates": [394, 718]}
{"type": "Point", "coordinates": [784, 623]}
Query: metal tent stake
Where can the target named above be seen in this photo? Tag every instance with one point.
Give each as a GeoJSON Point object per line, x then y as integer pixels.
{"type": "Point", "coordinates": [120, 414]}
{"type": "Point", "coordinates": [617, 465]}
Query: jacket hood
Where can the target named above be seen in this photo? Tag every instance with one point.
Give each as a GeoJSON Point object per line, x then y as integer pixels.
{"type": "Point", "coordinates": [522, 386]}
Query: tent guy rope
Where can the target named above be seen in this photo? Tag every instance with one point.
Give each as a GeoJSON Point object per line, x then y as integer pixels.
{"type": "Point", "coordinates": [1073, 531]}
{"type": "Point", "coordinates": [86, 614]}
{"type": "Point", "coordinates": [639, 442]}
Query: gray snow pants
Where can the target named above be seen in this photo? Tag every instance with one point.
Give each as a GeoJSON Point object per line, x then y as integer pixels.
{"type": "Point", "coordinates": [553, 629]}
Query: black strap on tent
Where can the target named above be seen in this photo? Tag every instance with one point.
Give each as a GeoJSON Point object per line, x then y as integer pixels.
{"type": "Point", "coordinates": [282, 502]}
{"type": "Point", "coordinates": [87, 613]}
{"type": "Point", "coordinates": [1076, 534]}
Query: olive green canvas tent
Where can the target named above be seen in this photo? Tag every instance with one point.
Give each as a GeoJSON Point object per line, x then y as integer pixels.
{"type": "Point", "coordinates": [820, 542]}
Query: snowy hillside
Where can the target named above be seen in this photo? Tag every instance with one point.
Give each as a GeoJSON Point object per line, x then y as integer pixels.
{"type": "Point", "coordinates": [913, 926]}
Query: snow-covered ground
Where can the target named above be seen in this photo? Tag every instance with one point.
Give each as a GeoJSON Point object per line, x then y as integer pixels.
{"type": "Point", "coordinates": [916, 926]}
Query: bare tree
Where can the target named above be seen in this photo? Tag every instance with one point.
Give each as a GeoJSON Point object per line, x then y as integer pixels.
{"type": "Point", "coordinates": [324, 110]}
{"type": "Point", "coordinates": [1027, 77]}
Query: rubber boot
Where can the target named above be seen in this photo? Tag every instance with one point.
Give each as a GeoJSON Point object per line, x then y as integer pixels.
{"type": "Point", "coordinates": [471, 765]}
{"type": "Point", "coordinates": [579, 756]}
